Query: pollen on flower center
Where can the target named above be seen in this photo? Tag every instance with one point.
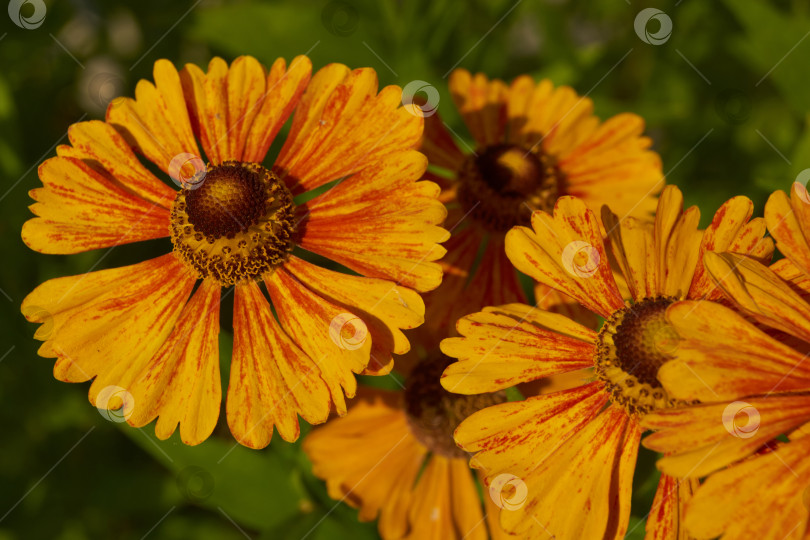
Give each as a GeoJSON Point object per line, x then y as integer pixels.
{"type": "Point", "coordinates": [433, 413]}
{"type": "Point", "coordinates": [632, 346]}
{"type": "Point", "coordinates": [237, 223]}
{"type": "Point", "coordinates": [501, 186]}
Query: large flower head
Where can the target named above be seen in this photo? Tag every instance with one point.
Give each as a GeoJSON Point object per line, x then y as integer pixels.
{"type": "Point", "coordinates": [147, 334]}
{"type": "Point", "coordinates": [533, 144]}
{"type": "Point", "coordinates": [749, 435]}
{"type": "Point", "coordinates": [580, 444]}
{"type": "Point", "coordinates": [393, 457]}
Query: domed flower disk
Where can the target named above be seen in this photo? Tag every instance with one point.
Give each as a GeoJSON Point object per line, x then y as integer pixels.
{"type": "Point", "coordinates": [147, 334]}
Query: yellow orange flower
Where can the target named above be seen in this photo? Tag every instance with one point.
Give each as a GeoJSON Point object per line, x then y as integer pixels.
{"type": "Point", "coordinates": [580, 445]}
{"type": "Point", "coordinates": [533, 144]}
{"type": "Point", "coordinates": [393, 457]}
{"type": "Point", "coordinates": [146, 337]}
{"type": "Point", "coordinates": [753, 380]}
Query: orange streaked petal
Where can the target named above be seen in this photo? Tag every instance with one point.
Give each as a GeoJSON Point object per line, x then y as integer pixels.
{"type": "Point", "coordinates": [506, 345]}
{"type": "Point", "coordinates": [704, 438]}
{"type": "Point", "coordinates": [465, 504]}
{"type": "Point", "coordinates": [665, 521]}
{"type": "Point", "coordinates": [482, 104]}
{"type": "Point", "coordinates": [677, 244]}
{"type": "Point", "coordinates": [788, 221]}
{"type": "Point", "coordinates": [730, 230]}
{"type": "Point", "coordinates": [761, 293]}
{"type": "Point", "coordinates": [565, 252]}
{"type": "Point", "coordinates": [384, 306]}
{"type": "Point", "coordinates": [358, 224]}
{"type": "Point", "coordinates": [722, 356]}
{"type": "Point", "coordinates": [99, 144]}
{"type": "Point", "coordinates": [272, 380]}
{"type": "Point", "coordinates": [760, 498]}
{"type": "Point", "coordinates": [795, 276]}
{"type": "Point", "coordinates": [342, 125]}
{"type": "Point", "coordinates": [156, 122]}
{"type": "Point", "coordinates": [208, 106]}
{"type": "Point", "coordinates": [631, 243]}
{"type": "Point", "coordinates": [324, 331]}
{"type": "Point", "coordinates": [283, 89]}
{"type": "Point", "coordinates": [81, 209]}
{"type": "Point", "coordinates": [109, 324]}
{"type": "Point", "coordinates": [182, 383]}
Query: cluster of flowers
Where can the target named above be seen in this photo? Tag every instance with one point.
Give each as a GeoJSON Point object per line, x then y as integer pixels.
{"type": "Point", "coordinates": [641, 321]}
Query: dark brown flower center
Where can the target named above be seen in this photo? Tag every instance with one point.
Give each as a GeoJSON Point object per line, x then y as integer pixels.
{"type": "Point", "coordinates": [433, 413]}
{"type": "Point", "coordinates": [235, 222]}
{"type": "Point", "coordinates": [229, 200]}
{"type": "Point", "coordinates": [504, 184]}
{"type": "Point", "coordinates": [632, 346]}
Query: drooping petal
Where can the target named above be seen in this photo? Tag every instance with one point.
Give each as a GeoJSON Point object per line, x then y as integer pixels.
{"type": "Point", "coordinates": [156, 123]}
{"type": "Point", "coordinates": [482, 104]}
{"type": "Point", "coordinates": [335, 339]}
{"type": "Point", "coordinates": [342, 124]}
{"type": "Point", "coordinates": [759, 292]}
{"type": "Point", "coordinates": [181, 384]}
{"type": "Point", "coordinates": [370, 460]}
{"type": "Point", "coordinates": [788, 222]}
{"type": "Point", "coordinates": [565, 252]}
{"type": "Point", "coordinates": [272, 380]}
{"type": "Point", "coordinates": [721, 356]}
{"type": "Point", "coordinates": [80, 208]}
{"type": "Point", "coordinates": [507, 345]}
{"type": "Point", "coordinates": [761, 498]}
{"type": "Point", "coordinates": [704, 438]}
{"type": "Point", "coordinates": [384, 307]}
{"type": "Point", "coordinates": [731, 231]}
{"type": "Point", "coordinates": [358, 224]}
{"type": "Point", "coordinates": [109, 324]}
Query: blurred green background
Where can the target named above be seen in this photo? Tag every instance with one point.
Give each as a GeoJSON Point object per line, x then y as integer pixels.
{"type": "Point", "coordinates": [725, 99]}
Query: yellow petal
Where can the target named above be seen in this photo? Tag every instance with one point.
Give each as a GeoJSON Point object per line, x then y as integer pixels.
{"type": "Point", "coordinates": [565, 252]}
{"type": "Point", "coordinates": [81, 209]}
{"type": "Point", "coordinates": [721, 356]}
{"type": "Point", "coordinates": [360, 225]}
{"type": "Point", "coordinates": [335, 339]}
{"type": "Point", "coordinates": [631, 242]}
{"type": "Point", "coordinates": [760, 293]}
{"type": "Point", "coordinates": [788, 222]}
{"type": "Point", "coordinates": [506, 345]}
{"type": "Point", "coordinates": [182, 384]}
{"type": "Point", "coordinates": [156, 122]}
{"type": "Point", "coordinates": [665, 521]}
{"type": "Point", "coordinates": [272, 380]}
{"type": "Point", "coordinates": [482, 104]}
{"type": "Point", "coordinates": [342, 125]}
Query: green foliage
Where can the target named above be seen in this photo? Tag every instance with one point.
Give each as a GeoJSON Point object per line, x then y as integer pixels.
{"type": "Point", "coordinates": [725, 100]}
